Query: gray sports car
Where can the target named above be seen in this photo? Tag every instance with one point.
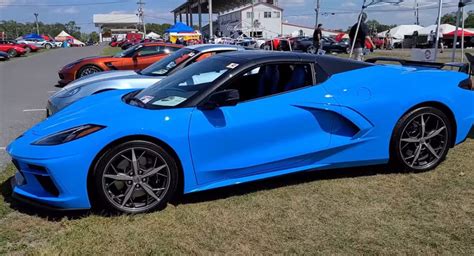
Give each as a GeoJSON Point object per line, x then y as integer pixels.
{"type": "Point", "coordinates": [127, 79]}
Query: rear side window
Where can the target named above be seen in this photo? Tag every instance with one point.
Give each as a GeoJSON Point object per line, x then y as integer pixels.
{"type": "Point", "coordinates": [272, 79]}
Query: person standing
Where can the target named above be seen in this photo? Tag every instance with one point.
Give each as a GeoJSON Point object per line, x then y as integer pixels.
{"type": "Point", "coordinates": [360, 39]}
{"type": "Point", "coordinates": [318, 36]}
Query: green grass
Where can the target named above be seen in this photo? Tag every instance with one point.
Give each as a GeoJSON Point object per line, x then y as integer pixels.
{"type": "Point", "coordinates": [107, 51]}
{"type": "Point", "coordinates": [358, 210]}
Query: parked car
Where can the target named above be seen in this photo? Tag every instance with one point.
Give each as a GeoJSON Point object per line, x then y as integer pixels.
{"type": "Point", "coordinates": [12, 50]}
{"type": "Point", "coordinates": [4, 56]}
{"type": "Point", "coordinates": [28, 47]}
{"type": "Point", "coordinates": [239, 117]}
{"type": "Point", "coordinates": [38, 42]}
{"type": "Point", "coordinates": [127, 79]}
{"type": "Point", "coordinates": [137, 57]}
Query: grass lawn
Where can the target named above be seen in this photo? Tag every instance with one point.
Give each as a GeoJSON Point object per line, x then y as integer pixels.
{"type": "Point", "coordinates": [359, 210]}
{"type": "Point", "coordinates": [107, 51]}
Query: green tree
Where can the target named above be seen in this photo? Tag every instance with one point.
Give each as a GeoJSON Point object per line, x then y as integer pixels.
{"type": "Point", "coordinates": [449, 18]}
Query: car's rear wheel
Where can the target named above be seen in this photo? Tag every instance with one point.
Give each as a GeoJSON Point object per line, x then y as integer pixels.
{"type": "Point", "coordinates": [27, 49]}
{"type": "Point", "coordinates": [87, 70]}
{"type": "Point", "coordinates": [421, 139]}
{"type": "Point", "coordinates": [135, 177]}
{"type": "Point", "coordinates": [12, 53]}
{"type": "Point", "coordinates": [48, 46]}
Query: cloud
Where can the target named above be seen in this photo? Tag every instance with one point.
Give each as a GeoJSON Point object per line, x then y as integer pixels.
{"type": "Point", "coordinates": [68, 10]}
{"type": "Point", "coordinates": [6, 3]}
{"type": "Point", "coordinates": [288, 3]}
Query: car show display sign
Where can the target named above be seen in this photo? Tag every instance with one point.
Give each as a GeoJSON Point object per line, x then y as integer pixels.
{"type": "Point", "coordinates": [423, 54]}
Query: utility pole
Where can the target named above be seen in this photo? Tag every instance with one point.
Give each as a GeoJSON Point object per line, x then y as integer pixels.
{"type": "Point", "coordinates": [252, 33]}
{"type": "Point", "coordinates": [440, 9]}
{"type": "Point", "coordinates": [211, 31]}
{"type": "Point", "coordinates": [36, 20]}
{"type": "Point", "coordinates": [417, 13]}
{"type": "Point", "coordinates": [141, 16]}
{"type": "Point", "coordinates": [318, 7]}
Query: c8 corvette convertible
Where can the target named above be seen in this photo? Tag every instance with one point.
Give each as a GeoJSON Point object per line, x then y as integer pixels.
{"type": "Point", "coordinates": [239, 117]}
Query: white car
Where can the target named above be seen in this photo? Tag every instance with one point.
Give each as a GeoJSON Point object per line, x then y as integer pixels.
{"type": "Point", "coordinates": [38, 42]}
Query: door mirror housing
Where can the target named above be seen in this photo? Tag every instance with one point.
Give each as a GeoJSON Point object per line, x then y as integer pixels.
{"type": "Point", "coordinates": [221, 99]}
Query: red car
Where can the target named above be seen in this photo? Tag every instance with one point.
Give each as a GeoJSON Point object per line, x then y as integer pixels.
{"type": "Point", "coordinates": [28, 47]}
{"type": "Point", "coordinates": [136, 57]}
{"type": "Point", "coordinates": [12, 50]}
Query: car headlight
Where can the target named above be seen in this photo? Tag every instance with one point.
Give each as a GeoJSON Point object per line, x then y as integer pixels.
{"type": "Point", "coordinates": [69, 93]}
{"type": "Point", "coordinates": [68, 135]}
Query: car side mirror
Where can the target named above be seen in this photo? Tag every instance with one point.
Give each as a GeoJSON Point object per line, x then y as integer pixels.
{"type": "Point", "coordinates": [135, 55]}
{"type": "Point", "coordinates": [221, 99]}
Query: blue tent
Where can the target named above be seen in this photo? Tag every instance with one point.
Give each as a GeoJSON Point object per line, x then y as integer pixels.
{"type": "Point", "coordinates": [180, 27]}
{"type": "Point", "coordinates": [32, 36]}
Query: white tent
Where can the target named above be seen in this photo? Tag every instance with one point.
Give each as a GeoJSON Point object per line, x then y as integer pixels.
{"type": "Point", "coordinates": [399, 32]}
{"type": "Point", "coordinates": [63, 36]}
{"type": "Point", "coordinates": [153, 35]}
{"type": "Point", "coordinates": [444, 28]}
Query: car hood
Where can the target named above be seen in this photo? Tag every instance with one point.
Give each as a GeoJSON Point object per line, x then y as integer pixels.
{"type": "Point", "coordinates": [100, 76]}
{"type": "Point", "coordinates": [102, 109]}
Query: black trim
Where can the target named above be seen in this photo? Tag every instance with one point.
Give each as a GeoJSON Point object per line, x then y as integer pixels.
{"type": "Point", "coordinates": [43, 206]}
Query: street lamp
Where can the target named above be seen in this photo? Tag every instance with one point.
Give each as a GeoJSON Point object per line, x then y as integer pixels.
{"type": "Point", "coordinates": [36, 19]}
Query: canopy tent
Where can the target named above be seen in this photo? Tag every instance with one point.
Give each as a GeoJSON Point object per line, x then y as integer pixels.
{"type": "Point", "coordinates": [153, 35]}
{"type": "Point", "coordinates": [399, 32]}
{"type": "Point", "coordinates": [64, 36]}
{"type": "Point", "coordinates": [180, 27]}
{"type": "Point", "coordinates": [195, 35]}
{"type": "Point", "coordinates": [46, 37]}
{"type": "Point", "coordinates": [443, 28]}
{"type": "Point", "coordinates": [467, 32]}
{"type": "Point", "coordinates": [32, 36]}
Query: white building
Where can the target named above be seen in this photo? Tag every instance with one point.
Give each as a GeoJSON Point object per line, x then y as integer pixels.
{"type": "Point", "coordinates": [267, 20]}
{"type": "Point", "coordinates": [118, 25]}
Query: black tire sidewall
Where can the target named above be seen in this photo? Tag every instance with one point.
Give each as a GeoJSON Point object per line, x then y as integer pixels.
{"type": "Point", "coordinates": [99, 199]}
{"type": "Point", "coordinates": [396, 158]}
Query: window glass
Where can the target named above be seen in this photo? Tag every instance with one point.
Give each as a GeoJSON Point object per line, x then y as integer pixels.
{"type": "Point", "coordinates": [276, 14]}
{"type": "Point", "coordinates": [164, 66]}
{"type": "Point", "coordinates": [150, 50]}
{"type": "Point", "coordinates": [186, 83]}
{"type": "Point", "coordinates": [271, 79]}
{"type": "Point", "coordinates": [267, 14]}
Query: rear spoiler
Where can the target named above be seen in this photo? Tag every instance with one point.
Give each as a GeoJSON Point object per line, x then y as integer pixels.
{"type": "Point", "coordinates": [461, 67]}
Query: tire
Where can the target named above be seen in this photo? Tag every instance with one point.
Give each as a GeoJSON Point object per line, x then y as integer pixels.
{"type": "Point", "coordinates": [28, 50]}
{"type": "Point", "coordinates": [87, 70]}
{"type": "Point", "coordinates": [120, 187]}
{"type": "Point", "coordinates": [421, 140]}
{"type": "Point", "coordinates": [48, 46]}
{"type": "Point", "coordinates": [311, 49]}
{"type": "Point", "coordinates": [12, 53]}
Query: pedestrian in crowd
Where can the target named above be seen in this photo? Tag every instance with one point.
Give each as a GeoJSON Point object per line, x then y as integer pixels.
{"type": "Point", "coordinates": [360, 39]}
{"type": "Point", "coordinates": [441, 39]}
{"type": "Point", "coordinates": [432, 39]}
{"type": "Point", "coordinates": [388, 41]}
{"type": "Point", "coordinates": [318, 36]}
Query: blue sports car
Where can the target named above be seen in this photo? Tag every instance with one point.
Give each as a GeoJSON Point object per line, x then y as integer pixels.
{"type": "Point", "coordinates": [239, 117]}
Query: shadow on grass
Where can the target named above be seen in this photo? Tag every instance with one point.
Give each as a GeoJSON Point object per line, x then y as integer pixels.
{"type": "Point", "coordinates": [215, 194]}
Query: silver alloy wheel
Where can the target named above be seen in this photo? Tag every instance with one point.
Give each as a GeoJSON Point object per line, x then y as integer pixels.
{"type": "Point", "coordinates": [136, 179]}
{"type": "Point", "coordinates": [311, 49]}
{"type": "Point", "coordinates": [89, 70]}
{"type": "Point", "coordinates": [423, 141]}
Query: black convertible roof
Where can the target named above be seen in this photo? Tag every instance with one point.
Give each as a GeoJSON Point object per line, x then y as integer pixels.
{"type": "Point", "coordinates": [331, 65]}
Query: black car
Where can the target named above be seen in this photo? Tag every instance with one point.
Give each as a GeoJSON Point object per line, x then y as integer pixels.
{"type": "Point", "coordinates": [329, 45]}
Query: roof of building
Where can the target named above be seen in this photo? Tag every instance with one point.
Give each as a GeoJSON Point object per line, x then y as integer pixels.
{"type": "Point", "coordinates": [115, 19]}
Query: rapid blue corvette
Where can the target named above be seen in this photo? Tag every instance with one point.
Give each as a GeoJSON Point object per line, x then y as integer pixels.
{"type": "Point", "coordinates": [239, 117]}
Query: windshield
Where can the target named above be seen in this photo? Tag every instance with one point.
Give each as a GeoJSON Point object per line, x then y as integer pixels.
{"type": "Point", "coordinates": [184, 84]}
{"type": "Point", "coordinates": [129, 52]}
{"type": "Point", "coordinates": [164, 66]}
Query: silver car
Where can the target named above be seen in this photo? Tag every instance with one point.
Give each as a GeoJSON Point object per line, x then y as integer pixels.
{"type": "Point", "coordinates": [128, 79]}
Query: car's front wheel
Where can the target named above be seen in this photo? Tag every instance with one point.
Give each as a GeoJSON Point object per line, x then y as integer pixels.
{"type": "Point", "coordinates": [87, 70]}
{"type": "Point", "coordinates": [12, 53]}
{"type": "Point", "coordinates": [27, 49]}
{"type": "Point", "coordinates": [48, 46]}
{"type": "Point", "coordinates": [135, 177]}
{"type": "Point", "coordinates": [421, 139]}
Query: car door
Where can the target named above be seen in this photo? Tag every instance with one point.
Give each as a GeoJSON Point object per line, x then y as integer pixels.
{"type": "Point", "coordinates": [274, 127]}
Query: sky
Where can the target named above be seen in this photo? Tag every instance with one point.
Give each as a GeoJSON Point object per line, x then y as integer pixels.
{"type": "Point", "coordinates": [336, 14]}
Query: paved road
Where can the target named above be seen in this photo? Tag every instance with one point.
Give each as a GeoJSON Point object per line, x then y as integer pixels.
{"type": "Point", "coordinates": [25, 84]}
